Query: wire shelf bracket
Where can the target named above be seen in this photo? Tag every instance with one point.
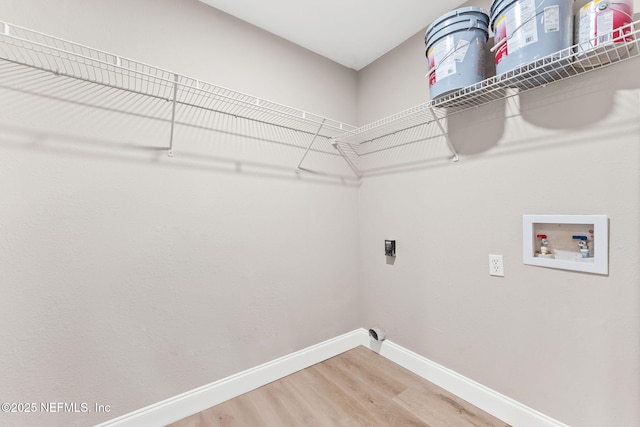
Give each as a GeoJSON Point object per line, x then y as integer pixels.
{"type": "Point", "coordinates": [299, 167]}
{"type": "Point", "coordinates": [347, 152]}
{"type": "Point", "coordinates": [445, 134]}
{"type": "Point", "coordinates": [173, 115]}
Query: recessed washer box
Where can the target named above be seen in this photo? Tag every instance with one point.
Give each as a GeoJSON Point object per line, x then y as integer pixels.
{"type": "Point", "coordinates": [567, 242]}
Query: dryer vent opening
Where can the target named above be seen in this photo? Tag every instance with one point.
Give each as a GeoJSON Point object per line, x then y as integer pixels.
{"type": "Point", "coordinates": [377, 334]}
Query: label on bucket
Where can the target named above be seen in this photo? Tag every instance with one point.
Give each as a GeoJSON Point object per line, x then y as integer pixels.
{"type": "Point", "coordinates": [518, 26]}
{"type": "Point", "coordinates": [500, 34]}
{"type": "Point", "coordinates": [444, 57]}
{"type": "Point", "coordinates": [552, 19]}
{"type": "Point", "coordinates": [600, 22]}
{"type": "Point", "coordinates": [604, 27]}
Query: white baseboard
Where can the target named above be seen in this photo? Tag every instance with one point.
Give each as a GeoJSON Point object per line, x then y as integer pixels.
{"type": "Point", "coordinates": [197, 400]}
{"type": "Point", "coordinates": [490, 401]}
{"type": "Point", "coordinates": [194, 401]}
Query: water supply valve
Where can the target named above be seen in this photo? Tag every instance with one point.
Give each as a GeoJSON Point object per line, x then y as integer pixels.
{"type": "Point", "coordinates": [544, 244]}
{"type": "Point", "coordinates": [583, 245]}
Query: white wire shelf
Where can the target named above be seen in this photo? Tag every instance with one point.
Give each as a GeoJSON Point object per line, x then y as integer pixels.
{"type": "Point", "coordinates": [558, 66]}
{"type": "Point", "coordinates": [37, 63]}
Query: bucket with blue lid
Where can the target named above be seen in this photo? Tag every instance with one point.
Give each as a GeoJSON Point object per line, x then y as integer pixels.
{"type": "Point", "coordinates": [455, 49]}
{"type": "Point", "coordinates": [531, 39]}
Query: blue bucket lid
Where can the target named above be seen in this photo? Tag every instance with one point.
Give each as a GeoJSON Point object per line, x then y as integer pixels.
{"type": "Point", "coordinates": [458, 26]}
{"type": "Point", "coordinates": [495, 4]}
{"type": "Point", "coordinates": [467, 13]}
{"type": "Point", "coordinates": [467, 20]}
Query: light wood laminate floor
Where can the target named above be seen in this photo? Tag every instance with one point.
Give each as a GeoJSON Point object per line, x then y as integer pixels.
{"type": "Point", "coordinates": [356, 388]}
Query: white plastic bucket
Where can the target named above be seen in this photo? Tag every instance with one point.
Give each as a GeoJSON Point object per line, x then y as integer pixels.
{"type": "Point", "coordinates": [528, 30]}
{"type": "Point", "coordinates": [455, 50]}
{"type": "Point", "coordinates": [598, 25]}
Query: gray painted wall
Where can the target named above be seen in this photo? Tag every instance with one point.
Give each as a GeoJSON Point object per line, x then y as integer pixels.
{"type": "Point", "coordinates": [128, 277]}
{"type": "Point", "coordinates": [564, 343]}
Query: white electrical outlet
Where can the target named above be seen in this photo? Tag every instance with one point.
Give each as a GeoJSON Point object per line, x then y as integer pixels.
{"type": "Point", "coordinates": [496, 267]}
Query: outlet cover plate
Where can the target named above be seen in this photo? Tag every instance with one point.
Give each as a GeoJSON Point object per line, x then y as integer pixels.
{"type": "Point", "coordinates": [496, 266]}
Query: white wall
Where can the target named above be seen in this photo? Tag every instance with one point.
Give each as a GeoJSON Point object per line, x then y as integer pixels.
{"type": "Point", "coordinates": [563, 343]}
{"type": "Point", "coordinates": [128, 277]}
{"type": "Point", "coordinates": [211, 46]}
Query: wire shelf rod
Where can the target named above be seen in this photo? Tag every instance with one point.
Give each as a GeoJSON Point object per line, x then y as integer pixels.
{"type": "Point", "coordinates": [237, 112]}
{"type": "Point", "coordinates": [94, 82]}
{"type": "Point", "coordinates": [110, 82]}
{"type": "Point", "coordinates": [405, 142]}
{"type": "Point", "coordinates": [163, 80]}
{"type": "Point", "coordinates": [561, 65]}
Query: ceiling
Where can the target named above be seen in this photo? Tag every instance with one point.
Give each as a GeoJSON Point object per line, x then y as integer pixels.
{"type": "Point", "coordinates": [353, 33]}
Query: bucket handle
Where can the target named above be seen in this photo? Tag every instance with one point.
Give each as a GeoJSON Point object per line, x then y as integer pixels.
{"type": "Point", "coordinates": [504, 40]}
{"type": "Point", "coordinates": [451, 52]}
{"type": "Point", "coordinates": [473, 25]}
